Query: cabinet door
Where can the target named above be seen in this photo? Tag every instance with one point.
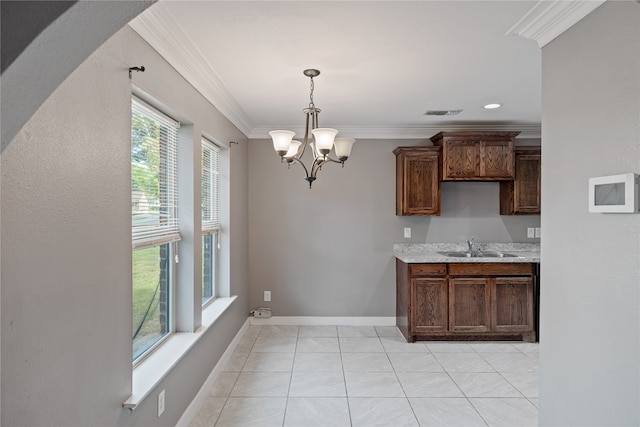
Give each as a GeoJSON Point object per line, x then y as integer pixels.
{"type": "Point", "coordinates": [429, 305]}
{"type": "Point", "coordinates": [497, 160]}
{"type": "Point", "coordinates": [461, 160]}
{"type": "Point", "coordinates": [522, 195]}
{"type": "Point", "coordinates": [469, 305]}
{"type": "Point", "coordinates": [526, 192]}
{"type": "Point", "coordinates": [418, 183]}
{"type": "Point", "coordinates": [512, 301]}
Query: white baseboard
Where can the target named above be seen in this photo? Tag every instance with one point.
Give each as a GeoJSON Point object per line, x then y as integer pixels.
{"type": "Point", "coordinates": [197, 402]}
{"type": "Point", "coordinates": [321, 320]}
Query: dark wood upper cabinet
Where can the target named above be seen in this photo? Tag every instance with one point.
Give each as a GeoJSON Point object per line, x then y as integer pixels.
{"type": "Point", "coordinates": [477, 156]}
{"type": "Point", "coordinates": [522, 195]}
{"type": "Point", "coordinates": [418, 174]}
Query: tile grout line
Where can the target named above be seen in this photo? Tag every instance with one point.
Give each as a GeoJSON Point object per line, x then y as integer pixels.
{"type": "Point", "coordinates": [505, 378]}
{"type": "Point", "coordinates": [400, 382]}
{"type": "Point", "coordinates": [286, 402]}
{"type": "Point", "coordinates": [226, 398]}
{"type": "Point", "coordinates": [344, 377]}
{"type": "Point", "coordinates": [464, 394]}
{"type": "Point", "coordinates": [499, 373]}
{"type": "Point", "coordinates": [462, 391]}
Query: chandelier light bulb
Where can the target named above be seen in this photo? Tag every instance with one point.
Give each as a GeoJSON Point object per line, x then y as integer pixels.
{"type": "Point", "coordinates": [343, 148]}
{"type": "Point", "coordinates": [315, 151]}
{"type": "Point", "coordinates": [324, 138]}
{"type": "Point", "coordinates": [293, 150]}
{"type": "Point", "coordinates": [281, 141]}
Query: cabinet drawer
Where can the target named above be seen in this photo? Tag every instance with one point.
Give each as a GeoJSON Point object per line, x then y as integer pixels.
{"type": "Point", "coordinates": [490, 269]}
{"type": "Point", "coordinates": [428, 269]}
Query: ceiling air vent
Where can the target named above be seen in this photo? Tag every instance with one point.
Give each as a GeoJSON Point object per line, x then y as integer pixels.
{"type": "Point", "coordinates": [442, 112]}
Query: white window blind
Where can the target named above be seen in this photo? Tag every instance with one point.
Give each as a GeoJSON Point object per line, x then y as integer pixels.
{"type": "Point", "coordinates": [210, 187]}
{"type": "Point", "coordinates": [154, 190]}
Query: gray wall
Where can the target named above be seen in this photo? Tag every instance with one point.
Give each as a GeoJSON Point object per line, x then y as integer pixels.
{"type": "Point", "coordinates": [590, 308]}
{"type": "Point", "coordinates": [66, 248]}
{"type": "Point", "coordinates": [50, 43]}
{"type": "Point", "coordinates": [328, 251]}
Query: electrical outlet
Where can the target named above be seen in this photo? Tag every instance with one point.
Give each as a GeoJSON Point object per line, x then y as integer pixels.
{"type": "Point", "coordinates": [160, 403]}
{"type": "Point", "coordinates": [407, 232]}
{"type": "Point", "coordinates": [531, 232]}
{"type": "Point", "coordinates": [538, 232]}
{"type": "Point", "coordinates": [267, 295]}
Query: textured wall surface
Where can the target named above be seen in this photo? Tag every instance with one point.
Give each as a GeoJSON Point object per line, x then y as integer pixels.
{"type": "Point", "coordinates": [54, 52]}
{"type": "Point", "coordinates": [66, 247]}
{"type": "Point", "coordinates": [328, 251]}
{"type": "Point", "coordinates": [590, 299]}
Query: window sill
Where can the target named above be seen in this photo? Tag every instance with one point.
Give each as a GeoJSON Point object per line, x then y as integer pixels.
{"type": "Point", "coordinates": [154, 368]}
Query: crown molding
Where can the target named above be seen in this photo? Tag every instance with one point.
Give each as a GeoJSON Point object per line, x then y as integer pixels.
{"type": "Point", "coordinates": [174, 45]}
{"type": "Point", "coordinates": [158, 28]}
{"type": "Point", "coordinates": [548, 19]}
{"type": "Point", "coordinates": [415, 132]}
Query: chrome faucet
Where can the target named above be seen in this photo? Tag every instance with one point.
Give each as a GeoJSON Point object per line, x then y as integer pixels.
{"type": "Point", "coordinates": [470, 244]}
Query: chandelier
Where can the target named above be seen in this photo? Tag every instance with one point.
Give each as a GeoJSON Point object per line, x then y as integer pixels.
{"type": "Point", "coordinates": [324, 140]}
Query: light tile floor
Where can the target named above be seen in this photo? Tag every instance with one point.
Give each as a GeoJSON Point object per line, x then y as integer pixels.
{"type": "Point", "coordinates": [370, 376]}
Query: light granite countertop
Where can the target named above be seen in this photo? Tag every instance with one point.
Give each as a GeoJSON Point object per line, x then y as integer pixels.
{"type": "Point", "coordinates": [428, 252]}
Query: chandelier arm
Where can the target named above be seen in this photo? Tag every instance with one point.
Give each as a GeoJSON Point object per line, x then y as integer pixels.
{"type": "Point", "coordinates": [317, 166]}
{"type": "Point", "coordinates": [314, 125]}
{"type": "Point", "coordinates": [297, 160]}
{"type": "Point", "coordinates": [306, 138]}
{"type": "Point", "coordinates": [320, 162]}
{"type": "Point", "coordinates": [328, 159]}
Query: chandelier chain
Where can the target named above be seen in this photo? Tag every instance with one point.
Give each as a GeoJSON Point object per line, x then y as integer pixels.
{"type": "Point", "coordinates": [311, 104]}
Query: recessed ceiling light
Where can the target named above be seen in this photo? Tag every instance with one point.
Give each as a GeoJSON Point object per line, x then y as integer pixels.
{"type": "Point", "coordinates": [492, 106]}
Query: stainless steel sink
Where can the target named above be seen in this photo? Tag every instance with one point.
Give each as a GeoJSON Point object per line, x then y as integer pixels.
{"type": "Point", "coordinates": [478, 254]}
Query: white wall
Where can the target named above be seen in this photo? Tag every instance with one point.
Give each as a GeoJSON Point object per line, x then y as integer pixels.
{"type": "Point", "coordinates": [590, 299]}
{"type": "Point", "coordinates": [328, 251]}
{"type": "Point", "coordinates": [66, 248]}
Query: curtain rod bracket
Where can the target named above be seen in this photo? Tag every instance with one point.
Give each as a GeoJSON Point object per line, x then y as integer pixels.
{"type": "Point", "coordinates": [140, 68]}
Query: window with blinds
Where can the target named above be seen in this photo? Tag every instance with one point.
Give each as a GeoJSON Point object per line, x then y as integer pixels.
{"type": "Point", "coordinates": [210, 218]}
{"type": "Point", "coordinates": [154, 224]}
{"type": "Point", "coordinates": [154, 191]}
{"type": "Point", "coordinates": [210, 187]}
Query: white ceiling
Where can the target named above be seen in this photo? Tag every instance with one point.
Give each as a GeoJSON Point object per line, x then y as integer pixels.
{"type": "Point", "coordinates": [383, 63]}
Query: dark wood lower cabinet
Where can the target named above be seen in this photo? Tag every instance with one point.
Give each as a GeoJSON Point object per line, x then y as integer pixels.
{"type": "Point", "coordinates": [512, 298]}
{"type": "Point", "coordinates": [465, 301]}
{"type": "Point", "coordinates": [430, 298]}
{"type": "Point", "coordinates": [469, 305]}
